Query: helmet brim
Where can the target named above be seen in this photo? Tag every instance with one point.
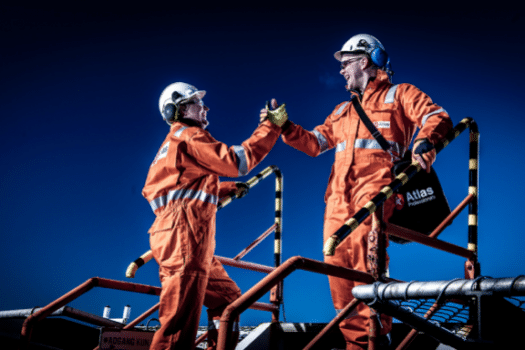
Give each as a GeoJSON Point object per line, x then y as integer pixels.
{"type": "Point", "coordinates": [197, 95]}
{"type": "Point", "coordinates": [339, 54]}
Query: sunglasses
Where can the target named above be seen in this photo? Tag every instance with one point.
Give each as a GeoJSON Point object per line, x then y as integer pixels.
{"type": "Point", "coordinates": [347, 63]}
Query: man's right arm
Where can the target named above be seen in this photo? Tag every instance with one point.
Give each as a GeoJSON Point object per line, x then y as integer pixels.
{"type": "Point", "coordinates": [312, 142]}
{"type": "Point", "coordinates": [234, 161]}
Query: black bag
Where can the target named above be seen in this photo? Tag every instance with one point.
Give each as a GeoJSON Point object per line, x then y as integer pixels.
{"type": "Point", "coordinates": [421, 204]}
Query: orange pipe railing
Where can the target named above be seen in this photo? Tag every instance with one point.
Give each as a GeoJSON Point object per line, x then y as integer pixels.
{"type": "Point", "coordinates": [272, 279]}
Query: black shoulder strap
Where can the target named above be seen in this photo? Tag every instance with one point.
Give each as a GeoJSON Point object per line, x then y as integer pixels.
{"type": "Point", "coordinates": [370, 126]}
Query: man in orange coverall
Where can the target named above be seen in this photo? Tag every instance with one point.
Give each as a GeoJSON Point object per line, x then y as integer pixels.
{"type": "Point", "coordinates": [183, 190]}
{"type": "Point", "coordinates": [361, 167]}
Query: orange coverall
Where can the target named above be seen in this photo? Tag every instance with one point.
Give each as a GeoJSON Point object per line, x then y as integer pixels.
{"type": "Point", "coordinates": [183, 190]}
{"type": "Point", "coordinates": [360, 170]}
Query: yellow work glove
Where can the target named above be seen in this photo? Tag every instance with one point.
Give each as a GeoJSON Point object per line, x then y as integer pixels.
{"type": "Point", "coordinates": [276, 115]}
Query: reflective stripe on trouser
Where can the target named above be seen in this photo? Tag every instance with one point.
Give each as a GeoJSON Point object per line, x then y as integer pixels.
{"type": "Point", "coordinates": [364, 181]}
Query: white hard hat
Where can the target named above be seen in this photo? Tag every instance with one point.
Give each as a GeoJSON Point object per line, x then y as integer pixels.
{"type": "Point", "coordinates": [365, 43]}
{"type": "Point", "coordinates": [173, 96]}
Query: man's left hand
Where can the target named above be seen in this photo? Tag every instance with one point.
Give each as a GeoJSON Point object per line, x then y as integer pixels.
{"type": "Point", "coordinates": [424, 153]}
{"type": "Point", "coordinates": [242, 189]}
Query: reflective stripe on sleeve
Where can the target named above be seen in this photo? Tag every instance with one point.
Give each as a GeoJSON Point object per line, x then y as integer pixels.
{"type": "Point", "coordinates": [391, 94]}
{"type": "Point", "coordinates": [431, 114]}
{"type": "Point", "coordinates": [340, 110]}
{"type": "Point", "coordinates": [174, 195]}
{"type": "Point", "coordinates": [340, 146]}
{"type": "Point", "coordinates": [179, 132]}
{"type": "Point", "coordinates": [242, 165]}
{"type": "Point", "coordinates": [321, 140]}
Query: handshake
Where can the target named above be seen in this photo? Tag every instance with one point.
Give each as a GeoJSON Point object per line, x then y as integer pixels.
{"type": "Point", "coordinates": [274, 113]}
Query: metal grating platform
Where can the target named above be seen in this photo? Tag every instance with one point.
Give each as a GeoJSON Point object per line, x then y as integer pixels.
{"type": "Point", "coordinates": [484, 313]}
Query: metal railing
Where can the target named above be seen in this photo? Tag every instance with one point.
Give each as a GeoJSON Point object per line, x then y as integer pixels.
{"type": "Point", "coordinates": [32, 320]}
{"type": "Point", "coordinates": [273, 281]}
{"type": "Point", "coordinates": [274, 278]}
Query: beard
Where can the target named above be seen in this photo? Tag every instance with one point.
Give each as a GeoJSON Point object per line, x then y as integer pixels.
{"type": "Point", "coordinates": [204, 123]}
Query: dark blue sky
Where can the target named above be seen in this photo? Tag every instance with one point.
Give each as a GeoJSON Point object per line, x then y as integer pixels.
{"type": "Point", "coordinates": [80, 127]}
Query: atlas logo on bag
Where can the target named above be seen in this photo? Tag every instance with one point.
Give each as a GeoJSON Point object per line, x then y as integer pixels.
{"type": "Point", "coordinates": [417, 197]}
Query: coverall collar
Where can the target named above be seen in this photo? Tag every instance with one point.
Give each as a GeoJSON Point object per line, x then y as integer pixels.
{"type": "Point", "coordinates": [374, 84]}
{"type": "Point", "coordinates": [380, 79]}
{"type": "Point", "coordinates": [188, 122]}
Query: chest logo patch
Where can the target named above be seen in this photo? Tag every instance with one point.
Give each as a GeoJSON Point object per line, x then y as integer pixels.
{"type": "Point", "coordinates": [382, 124]}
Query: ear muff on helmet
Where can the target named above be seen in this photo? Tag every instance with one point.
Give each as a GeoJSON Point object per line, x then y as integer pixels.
{"type": "Point", "coordinates": [372, 47]}
{"type": "Point", "coordinates": [171, 112]}
{"type": "Point", "coordinates": [379, 57]}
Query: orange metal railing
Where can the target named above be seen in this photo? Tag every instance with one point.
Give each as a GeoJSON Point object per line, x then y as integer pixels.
{"type": "Point", "coordinates": [273, 281]}
{"type": "Point", "coordinates": [31, 321]}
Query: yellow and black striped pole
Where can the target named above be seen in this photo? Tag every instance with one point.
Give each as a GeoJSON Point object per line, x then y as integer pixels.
{"type": "Point", "coordinates": [278, 217]}
{"type": "Point", "coordinates": [134, 266]}
{"type": "Point", "coordinates": [276, 294]}
{"type": "Point", "coordinates": [410, 171]}
{"type": "Point", "coordinates": [147, 256]}
{"type": "Point", "coordinates": [473, 190]}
